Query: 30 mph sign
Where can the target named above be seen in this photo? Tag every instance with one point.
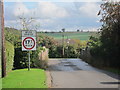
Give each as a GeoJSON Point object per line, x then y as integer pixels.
{"type": "Point", "coordinates": [28, 40]}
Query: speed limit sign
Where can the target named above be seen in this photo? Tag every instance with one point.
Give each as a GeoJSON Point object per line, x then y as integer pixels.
{"type": "Point", "coordinates": [28, 40]}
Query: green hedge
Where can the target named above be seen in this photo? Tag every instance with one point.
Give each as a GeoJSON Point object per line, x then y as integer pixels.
{"type": "Point", "coordinates": [21, 59]}
{"type": "Point", "coordinates": [70, 51]}
{"type": "Point", "coordinates": [9, 56]}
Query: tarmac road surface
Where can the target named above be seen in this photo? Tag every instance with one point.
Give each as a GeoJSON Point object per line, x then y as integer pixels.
{"type": "Point", "coordinates": [75, 73]}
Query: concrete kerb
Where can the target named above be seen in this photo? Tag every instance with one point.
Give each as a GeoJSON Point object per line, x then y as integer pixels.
{"type": "Point", "coordinates": [49, 78]}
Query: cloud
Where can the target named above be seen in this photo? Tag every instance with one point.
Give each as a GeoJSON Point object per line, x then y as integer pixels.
{"type": "Point", "coordinates": [42, 10]}
{"type": "Point", "coordinates": [20, 9]}
{"type": "Point", "coordinates": [53, 16]}
{"type": "Point", "coordinates": [49, 9]}
{"type": "Point", "coordinates": [45, 13]}
{"type": "Point", "coordinates": [13, 24]}
{"type": "Point", "coordinates": [89, 9]}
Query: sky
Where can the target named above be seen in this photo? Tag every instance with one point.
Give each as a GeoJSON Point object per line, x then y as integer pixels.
{"type": "Point", "coordinates": [53, 16]}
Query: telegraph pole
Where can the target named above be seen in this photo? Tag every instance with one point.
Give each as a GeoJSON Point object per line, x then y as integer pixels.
{"type": "Point", "coordinates": [63, 41]}
{"type": "Point", "coordinates": [63, 46]}
{"type": "Point", "coordinates": [3, 38]}
{"type": "Point", "coordinates": [67, 46]}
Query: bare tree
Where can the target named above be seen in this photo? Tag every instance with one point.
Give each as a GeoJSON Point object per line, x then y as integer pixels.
{"type": "Point", "coordinates": [28, 23]}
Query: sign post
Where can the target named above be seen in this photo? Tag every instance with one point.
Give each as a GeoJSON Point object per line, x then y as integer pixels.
{"type": "Point", "coordinates": [29, 61]}
{"type": "Point", "coordinates": [28, 42]}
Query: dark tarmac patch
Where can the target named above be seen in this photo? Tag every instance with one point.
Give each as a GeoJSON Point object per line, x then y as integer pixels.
{"type": "Point", "coordinates": [74, 67]}
{"type": "Point", "coordinates": [70, 65]}
{"type": "Point", "coordinates": [110, 82]}
{"type": "Point", "coordinates": [64, 65]}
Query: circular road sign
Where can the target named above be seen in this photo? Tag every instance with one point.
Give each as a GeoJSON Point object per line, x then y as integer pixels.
{"type": "Point", "coordinates": [28, 43]}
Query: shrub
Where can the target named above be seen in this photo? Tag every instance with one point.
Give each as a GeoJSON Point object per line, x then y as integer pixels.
{"type": "Point", "coordinates": [39, 58]}
{"type": "Point", "coordinates": [21, 59]}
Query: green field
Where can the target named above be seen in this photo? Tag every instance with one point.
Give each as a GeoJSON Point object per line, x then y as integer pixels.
{"type": "Point", "coordinates": [58, 35]}
{"type": "Point", "coordinates": [72, 35]}
{"type": "Point", "coordinates": [35, 78]}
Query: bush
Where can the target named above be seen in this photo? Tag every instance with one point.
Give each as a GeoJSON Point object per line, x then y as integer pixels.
{"type": "Point", "coordinates": [21, 59]}
{"type": "Point", "coordinates": [36, 58]}
{"type": "Point", "coordinates": [70, 51]}
{"type": "Point", "coordinates": [9, 56]}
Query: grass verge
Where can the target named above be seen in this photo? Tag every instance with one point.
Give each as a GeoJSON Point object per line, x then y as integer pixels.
{"type": "Point", "coordinates": [22, 78]}
{"type": "Point", "coordinates": [113, 70]}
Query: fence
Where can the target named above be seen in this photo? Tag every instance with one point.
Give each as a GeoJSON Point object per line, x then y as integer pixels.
{"type": "Point", "coordinates": [43, 58]}
{"type": "Point", "coordinates": [43, 55]}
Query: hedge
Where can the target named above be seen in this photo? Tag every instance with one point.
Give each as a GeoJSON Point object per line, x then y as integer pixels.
{"type": "Point", "coordinates": [21, 59]}
{"type": "Point", "coordinates": [9, 56]}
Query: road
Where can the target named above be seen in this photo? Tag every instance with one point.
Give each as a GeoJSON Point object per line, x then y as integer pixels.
{"type": "Point", "coordinates": [74, 73]}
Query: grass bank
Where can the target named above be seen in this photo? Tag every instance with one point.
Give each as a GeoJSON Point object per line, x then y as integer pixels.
{"type": "Point", "coordinates": [35, 78]}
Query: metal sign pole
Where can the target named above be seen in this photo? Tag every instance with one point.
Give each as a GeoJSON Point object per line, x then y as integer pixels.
{"type": "Point", "coordinates": [28, 43]}
{"type": "Point", "coordinates": [29, 61]}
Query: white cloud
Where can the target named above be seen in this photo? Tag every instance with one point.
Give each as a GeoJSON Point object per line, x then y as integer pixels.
{"type": "Point", "coordinates": [50, 10]}
{"type": "Point", "coordinates": [20, 9]}
{"type": "Point", "coordinates": [44, 13]}
{"type": "Point", "coordinates": [89, 9]}
{"type": "Point", "coordinates": [42, 10]}
{"type": "Point", "coordinates": [13, 24]}
{"type": "Point", "coordinates": [52, 16]}
{"type": "Point", "coordinates": [55, 0]}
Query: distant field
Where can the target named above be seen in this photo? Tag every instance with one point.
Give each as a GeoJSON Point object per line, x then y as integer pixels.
{"type": "Point", "coordinates": [72, 35]}
{"type": "Point", "coordinates": [58, 35]}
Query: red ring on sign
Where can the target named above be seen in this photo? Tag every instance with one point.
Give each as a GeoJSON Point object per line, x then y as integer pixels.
{"type": "Point", "coordinates": [33, 44]}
